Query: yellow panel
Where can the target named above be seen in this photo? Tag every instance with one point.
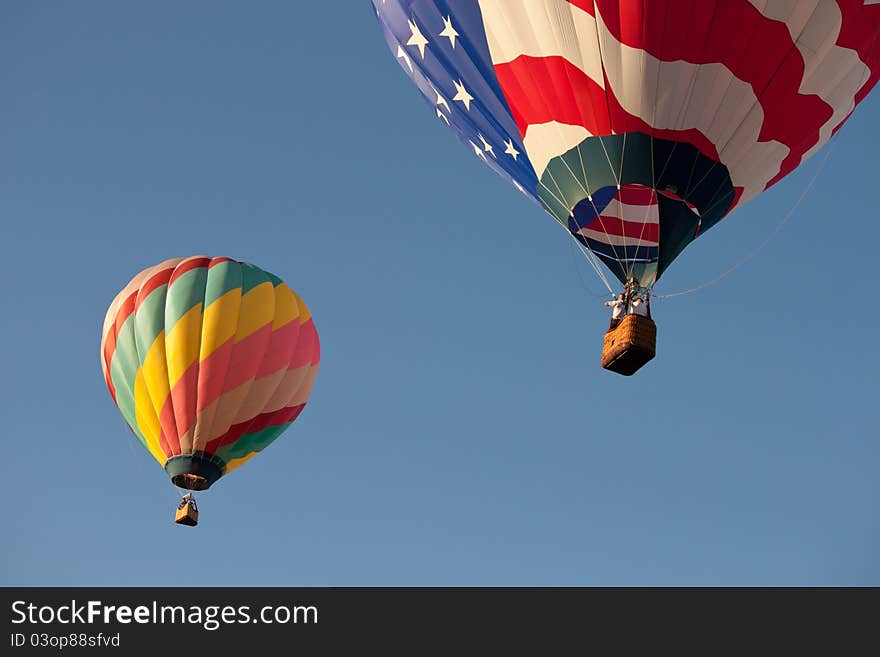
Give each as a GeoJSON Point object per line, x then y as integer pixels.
{"type": "Point", "coordinates": [304, 314]}
{"type": "Point", "coordinates": [182, 343]}
{"type": "Point", "coordinates": [286, 306]}
{"type": "Point", "coordinates": [147, 420]}
{"type": "Point", "coordinates": [257, 310]}
{"type": "Point", "coordinates": [155, 372]}
{"type": "Point", "coordinates": [219, 324]}
{"type": "Point", "coordinates": [237, 463]}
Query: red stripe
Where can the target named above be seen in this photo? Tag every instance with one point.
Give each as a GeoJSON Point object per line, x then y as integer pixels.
{"type": "Point", "coordinates": [183, 401]}
{"type": "Point", "coordinates": [625, 122]}
{"type": "Point", "coordinates": [230, 365]}
{"type": "Point", "coordinates": [637, 195]}
{"type": "Point", "coordinates": [188, 265]}
{"type": "Point", "coordinates": [247, 356]}
{"type": "Point", "coordinates": [769, 62]}
{"type": "Point", "coordinates": [213, 374]}
{"type": "Point", "coordinates": [586, 5]}
{"type": "Point", "coordinates": [226, 369]}
{"type": "Point", "coordinates": [543, 89]}
{"type": "Point", "coordinates": [107, 351]}
{"type": "Point", "coordinates": [571, 98]}
{"type": "Point", "coordinates": [123, 313]}
{"type": "Point", "coordinates": [282, 346]}
{"type": "Point", "coordinates": [534, 103]}
{"type": "Point", "coordinates": [255, 424]}
{"type": "Point", "coordinates": [154, 282]}
{"type": "Point", "coordinates": [308, 350]}
{"type": "Point", "coordinates": [700, 32]}
{"type": "Point", "coordinates": [217, 261]}
{"type": "Point", "coordinates": [622, 228]}
{"type": "Point", "coordinates": [860, 30]}
{"type": "Point", "coordinates": [168, 437]}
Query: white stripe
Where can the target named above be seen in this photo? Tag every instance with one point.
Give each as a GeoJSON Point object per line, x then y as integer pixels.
{"type": "Point", "coordinates": [544, 141]}
{"type": "Point", "coordinates": [706, 97]}
{"type": "Point", "coordinates": [831, 72]}
{"type": "Point", "coordinates": [639, 214]}
{"type": "Point", "coordinates": [539, 28]}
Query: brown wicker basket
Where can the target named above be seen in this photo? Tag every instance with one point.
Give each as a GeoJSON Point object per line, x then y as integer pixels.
{"type": "Point", "coordinates": [630, 345]}
{"type": "Point", "coordinates": [187, 514]}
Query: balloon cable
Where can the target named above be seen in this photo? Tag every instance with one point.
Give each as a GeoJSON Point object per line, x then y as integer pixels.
{"type": "Point", "coordinates": [585, 188]}
{"type": "Point", "coordinates": [564, 203]}
{"type": "Point", "coordinates": [588, 255]}
{"type": "Point", "coordinates": [755, 252]}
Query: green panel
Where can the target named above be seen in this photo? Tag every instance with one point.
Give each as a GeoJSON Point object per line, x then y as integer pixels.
{"type": "Point", "coordinates": [272, 277]}
{"type": "Point", "coordinates": [150, 320]}
{"type": "Point", "coordinates": [678, 225]}
{"type": "Point", "coordinates": [251, 442]}
{"type": "Point", "coordinates": [640, 156]}
{"type": "Point", "coordinates": [222, 278]}
{"type": "Point", "coordinates": [208, 467]}
{"type": "Point", "coordinates": [184, 293]}
{"type": "Point", "coordinates": [123, 369]}
{"type": "Point", "coordinates": [252, 276]}
{"type": "Point", "coordinates": [636, 158]}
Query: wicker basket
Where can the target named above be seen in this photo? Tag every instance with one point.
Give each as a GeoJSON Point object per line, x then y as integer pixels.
{"type": "Point", "coordinates": [630, 345]}
{"type": "Point", "coordinates": [187, 514]}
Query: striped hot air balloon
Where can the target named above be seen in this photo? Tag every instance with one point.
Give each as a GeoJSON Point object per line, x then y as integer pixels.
{"type": "Point", "coordinates": [638, 124]}
{"type": "Point", "coordinates": [209, 360]}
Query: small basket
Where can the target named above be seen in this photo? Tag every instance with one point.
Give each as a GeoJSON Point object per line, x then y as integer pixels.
{"type": "Point", "coordinates": [187, 514]}
{"type": "Point", "coordinates": [629, 345]}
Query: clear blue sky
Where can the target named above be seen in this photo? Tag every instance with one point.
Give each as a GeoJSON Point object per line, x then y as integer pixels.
{"type": "Point", "coordinates": [461, 430]}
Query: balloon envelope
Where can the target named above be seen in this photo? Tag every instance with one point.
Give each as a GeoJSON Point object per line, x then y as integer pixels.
{"type": "Point", "coordinates": [638, 124]}
{"type": "Point", "coordinates": [209, 360]}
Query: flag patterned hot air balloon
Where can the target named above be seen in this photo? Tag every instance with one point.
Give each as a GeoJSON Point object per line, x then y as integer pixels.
{"type": "Point", "coordinates": [638, 124]}
{"type": "Point", "coordinates": [209, 360]}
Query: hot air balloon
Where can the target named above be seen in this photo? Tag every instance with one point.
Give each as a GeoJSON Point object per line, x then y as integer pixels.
{"type": "Point", "coordinates": [638, 125]}
{"type": "Point", "coordinates": [208, 360]}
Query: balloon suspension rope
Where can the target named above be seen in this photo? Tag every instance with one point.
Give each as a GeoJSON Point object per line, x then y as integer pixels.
{"type": "Point", "coordinates": [755, 252]}
{"type": "Point", "coordinates": [137, 456]}
{"type": "Point", "coordinates": [577, 247]}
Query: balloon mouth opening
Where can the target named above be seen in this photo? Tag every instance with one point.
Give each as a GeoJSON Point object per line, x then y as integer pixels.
{"type": "Point", "coordinates": [190, 482]}
{"type": "Point", "coordinates": [194, 471]}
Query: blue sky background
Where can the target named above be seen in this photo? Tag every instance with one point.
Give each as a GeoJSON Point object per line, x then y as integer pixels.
{"type": "Point", "coordinates": [461, 431]}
